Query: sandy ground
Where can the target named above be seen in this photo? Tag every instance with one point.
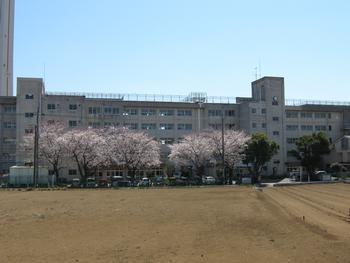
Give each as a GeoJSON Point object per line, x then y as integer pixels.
{"type": "Point", "coordinates": [218, 224]}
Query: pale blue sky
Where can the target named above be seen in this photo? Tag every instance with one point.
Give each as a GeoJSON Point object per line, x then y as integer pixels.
{"type": "Point", "coordinates": [178, 46]}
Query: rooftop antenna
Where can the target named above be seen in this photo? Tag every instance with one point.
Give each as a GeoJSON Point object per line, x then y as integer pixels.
{"type": "Point", "coordinates": [44, 77]}
{"type": "Point", "coordinates": [259, 68]}
{"type": "Point", "coordinates": [256, 73]}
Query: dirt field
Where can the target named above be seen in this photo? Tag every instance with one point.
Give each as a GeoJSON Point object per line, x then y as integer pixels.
{"type": "Point", "coordinates": [218, 224]}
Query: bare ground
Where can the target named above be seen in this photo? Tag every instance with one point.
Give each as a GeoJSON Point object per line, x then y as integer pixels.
{"type": "Point", "coordinates": [219, 224]}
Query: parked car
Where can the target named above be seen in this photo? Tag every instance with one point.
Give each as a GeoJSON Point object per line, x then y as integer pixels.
{"type": "Point", "coordinates": [158, 181]}
{"type": "Point", "coordinates": [208, 180]}
{"type": "Point", "coordinates": [75, 183]}
{"type": "Point", "coordinates": [144, 182]}
{"type": "Point", "coordinates": [120, 181]}
{"type": "Point", "coordinates": [91, 182]}
{"type": "Point", "coordinates": [104, 183]}
{"type": "Point", "coordinates": [322, 176]}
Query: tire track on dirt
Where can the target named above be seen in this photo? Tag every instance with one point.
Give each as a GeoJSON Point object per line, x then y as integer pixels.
{"type": "Point", "coordinates": [310, 214]}
{"type": "Point", "coordinates": [327, 201]}
{"type": "Point", "coordinates": [328, 192]}
{"type": "Point", "coordinates": [316, 205]}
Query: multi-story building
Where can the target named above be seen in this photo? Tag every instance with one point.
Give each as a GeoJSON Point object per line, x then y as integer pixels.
{"type": "Point", "coordinates": [6, 46]}
{"type": "Point", "coordinates": [169, 118]}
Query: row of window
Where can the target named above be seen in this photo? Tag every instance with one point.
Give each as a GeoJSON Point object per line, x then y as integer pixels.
{"type": "Point", "coordinates": [294, 140]}
{"type": "Point", "coordinates": [7, 140]}
{"type": "Point", "coordinates": [254, 111]}
{"type": "Point", "coordinates": [9, 125]}
{"type": "Point", "coordinates": [228, 126]}
{"type": "Point", "coordinates": [10, 108]}
{"type": "Point", "coordinates": [308, 115]}
{"type": "Point", "coordinates": [218, 113]}
{"type": "Point", "coordinates": [308, 128]}
{"type": "Point", "coordinates": [302, 127]}
{"type": "Point", "coordinates": [133, 112]}
{"type": "Point", "coordinates": [134, 126]}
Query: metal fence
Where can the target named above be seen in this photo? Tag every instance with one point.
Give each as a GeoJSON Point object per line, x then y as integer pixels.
{"type": "Point", "coordinates": [148, 97]}
{"type": "Point", "coordinates": [193, 98]}
{"type": "Point", "coordinates": [299, 102]}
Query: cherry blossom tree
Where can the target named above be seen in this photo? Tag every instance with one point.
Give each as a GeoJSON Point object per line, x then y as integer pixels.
{"type": "Point", "coordinates": [235, 143]}
{"type": "Point", "coordinates": [51, 145]}
{"type": "Point", "coordinates": [131, 150]}
{"type": "Point", "coordinates": [86, 147]}
{"type": "Point", "coordinates": [194, 150]}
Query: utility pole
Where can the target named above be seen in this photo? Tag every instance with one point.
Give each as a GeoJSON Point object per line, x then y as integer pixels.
{"type": "Point", "coordinates": [223, 146]}
{"type": "Point", "coordinates": [36, 150]}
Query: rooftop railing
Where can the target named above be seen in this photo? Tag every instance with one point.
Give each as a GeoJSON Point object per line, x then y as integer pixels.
{"type": "Point", "coordinates": [149, 97]}
{"type": "Point", "coordinates": [192, 98]}
{"type": "Point", "coordinates": [296, 102]}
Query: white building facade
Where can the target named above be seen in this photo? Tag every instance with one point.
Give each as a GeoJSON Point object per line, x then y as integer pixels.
{"type": "Point", "coordinates": [169, 118]}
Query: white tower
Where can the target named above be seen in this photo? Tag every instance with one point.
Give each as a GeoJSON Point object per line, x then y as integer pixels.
{"type": "Point", "coordinates": [7, 8]}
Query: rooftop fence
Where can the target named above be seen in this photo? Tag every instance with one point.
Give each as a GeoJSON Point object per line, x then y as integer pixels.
{"type": "Point", "coordinates": [194, 97]}
{"type": "Point", "coordinates": [296, 102]}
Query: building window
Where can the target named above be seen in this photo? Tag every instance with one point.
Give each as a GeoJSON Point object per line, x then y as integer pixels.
{"type": "Point", "coordinates": [230, 126]}
{"type": "Point", "coordinates": [320, 115]}
{"type": "Point", "coordinates": [330, 140]}
{"type": "Point", "coordinates": [111, 111]}
{"type": "Point", "coordinates": [94, 110]}
{"type": "Point", "coordinates": [230, 113]}
{"type": "Point", "coordinates": [292, 127]}
{"type": "Point", "coordinates": [8, 140]}
{"type": "Point", "coordinates": [166, 141]}
{"type": "Point", "coordinates": [214, 113]}
{"type": "Point", "coordinates": [306, 115]}
{"type": "Point", "coordinates": [329, 115]}
{"type": "Point", "coordinates": [320, 127]}
{"type": "Point", "coordinates": [253, 110]}
{"type": "Point", "coordinates": [184, 112]}
{"type": "Point", "coordinates": [28, 131]}
{"type": "Point", "coordinates": [275, 118]}
{"type": "Point", "coordinates": [263, 111]}
{"type": "Point", "coordinates": [29, 114]}
{"type": "Point", "coordinates": [73, 107]}
{"type": "Point", "coordinates": [292, 114]}
{"type": "Point", "coordinates": [166, 126]}
{"type": "Point", "coordinates": [148, 112]}
{"type": "Point", "coordinates": [10, 109]}
{"type": "Point", "coordinates": [276, 133]}
{"type": "Point", "coordinates": [291, 140]}
{"type": "Point", "coordinates": [29, 96]}
{"type": "Point", "coordinates": [253, 125]}
{"type": "Point", "coordinates": [148, 126]}
{"type": "Point", "coordinates": [263, 125]}
{"type": "Point", "coordinates": [51, 106]}
{"type": "Point", "coordinates": [184, 126]}
{"type": "Point", "coordinates": [72, 172]}
{"type": "Point", "coordinates": [72, 124]}
{"type": "Point", "coordinates": [166, 113]}
{"type": "Point", "coordinates": [94, 125]}
{"type": "Point", "coordinates": [330, 127]}
{"type": "Point", "coordinates": [131, 126]}
{"type": "Point", "coordinates": [274, 101]}
{"type": "Point", "coordinates": [9, 125]}
{"type": "Point", "coordinates": [215, 126]}
{"type": "Point", "coordinates": [306, 128]}
{"type": "Point", "coordinates": [132, 112]}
